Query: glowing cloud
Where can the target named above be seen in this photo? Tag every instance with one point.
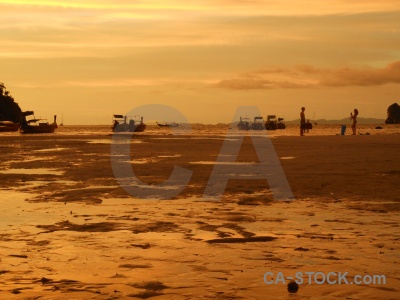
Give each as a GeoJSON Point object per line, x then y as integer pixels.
{"type": "Point", "coordinates": [309, 77]}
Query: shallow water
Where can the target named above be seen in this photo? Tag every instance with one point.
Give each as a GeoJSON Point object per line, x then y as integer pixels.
{"type": "Point", "coordinates": [52, 149]}
{"type": "Point", "coordinates": [41, 171]}
{"type": "Point", "coordinates": [222, 163]}
{"type": "Point", "coordinates": [222, 129]}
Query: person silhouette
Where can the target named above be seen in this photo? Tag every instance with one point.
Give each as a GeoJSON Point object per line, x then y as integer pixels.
{"type": "Point", "coordinates": [354, 118]}
{"type": "Point", "coordinates": [302, 121]}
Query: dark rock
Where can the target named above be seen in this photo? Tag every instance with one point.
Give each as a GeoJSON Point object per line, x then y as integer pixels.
{"type": "Point", "coordinates": [393, 114]}
{"type": "Point", "coordinates": [292, 287]}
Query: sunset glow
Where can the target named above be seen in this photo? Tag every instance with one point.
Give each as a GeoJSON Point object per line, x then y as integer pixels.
{"type": "Point", "coordinates": [204, 58]}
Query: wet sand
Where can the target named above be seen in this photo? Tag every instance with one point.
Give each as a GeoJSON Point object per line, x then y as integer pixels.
{"type": "Point", "coordinates": [69, 231]}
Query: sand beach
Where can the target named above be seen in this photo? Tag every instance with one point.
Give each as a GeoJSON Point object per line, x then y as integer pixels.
{"type": "Point", "coordinates": [216, 195]}
{"type": "Point", "coordinates": [70, 231]}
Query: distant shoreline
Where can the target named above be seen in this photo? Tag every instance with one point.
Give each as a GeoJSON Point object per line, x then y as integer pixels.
{"type": "Point", "coordinates": [361, 121]}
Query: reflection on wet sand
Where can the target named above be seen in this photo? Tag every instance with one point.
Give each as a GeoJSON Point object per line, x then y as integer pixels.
{"type": "Point", "coordinates": [79, 235]}
{"type": "Point", "coordinates": [32, 171]}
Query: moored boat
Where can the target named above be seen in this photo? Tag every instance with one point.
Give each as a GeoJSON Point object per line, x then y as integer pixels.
{"type": "Point", "coordinates": [36, 125]}
{"type": "Point", "coordinates": [258, 123]}
{"type": "Point", "coordinates": [173, 124]}
{"type": "Point", "coordinates": [128, 124]}
{"type": "Point", "coordinates": [9, 126]}
{"type": "Point", "coordinates": [271, 123]}
{"type": "Point", "coordinates": [281, 124]}
{"type": "Point", "coordinates": [244, 124]}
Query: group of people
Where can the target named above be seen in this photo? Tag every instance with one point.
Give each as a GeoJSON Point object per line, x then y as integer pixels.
{"type": "Point", "coordinates": [353, 117]}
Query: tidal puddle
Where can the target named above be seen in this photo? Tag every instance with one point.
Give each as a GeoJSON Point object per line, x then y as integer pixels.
{"type": "Point", "coordinates": [42, 171]}
{"type": "Point", "coordinates": [222, 163]}
{"type": "Point", "coordinates": [52, 149]}
{"type": "Point", "coordinates": [114, 141]}
{"type": "Point", "coordinates": [216, 138]}
{"type": "Point", "coordinates": [41, 183]}
{"type": "Point", "coordinates": [141, 161]}
{"type": "Point", "coordinates": [167, 156]}
{"type": "Point", "coordinates": [26, 159]}
{"type": "Point", "coordinates": [95, 187]}
{"type": "Point", "coordinates": [169, 138]}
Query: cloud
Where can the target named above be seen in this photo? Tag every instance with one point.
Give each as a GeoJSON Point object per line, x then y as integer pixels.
{"type": "Point", "coordinates": [306, 76]}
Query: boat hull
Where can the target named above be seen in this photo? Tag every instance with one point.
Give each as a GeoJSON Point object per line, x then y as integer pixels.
{"type": "Point", "coordinates": [46, 128]}
{"type": "Point", "coordinates": [9, 127]}
{"type": "Point", "coordinates": [257, 126]}
{"type": "Point", "coordinates": [129, 128]}
{"type": "Point", "coordinates": [280, 126]}
{"type": "Point", "coordinates": [167, 125]}
{"type": "Point", "coordinates": [270, 125]}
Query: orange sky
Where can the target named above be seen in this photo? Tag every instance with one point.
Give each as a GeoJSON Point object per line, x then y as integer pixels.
{"type": "Point", "coordinates": [90, 59]}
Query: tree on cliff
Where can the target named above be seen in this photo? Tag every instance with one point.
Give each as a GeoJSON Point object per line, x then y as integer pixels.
{"type": "Point", "coordinates": [9, 109]}
{"type": "Point", "coordinates": [393, 113]}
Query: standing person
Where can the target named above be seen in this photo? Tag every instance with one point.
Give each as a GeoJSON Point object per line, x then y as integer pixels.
{"type": "Point", "coordinates": [302, 121]}
{"type": "Point", "coordinates": [354, 118]}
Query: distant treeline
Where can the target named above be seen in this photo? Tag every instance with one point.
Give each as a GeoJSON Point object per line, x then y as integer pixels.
{"type": "Point", "coordinates": [342, 121]}
{"type": "Point", "coordinates": [9, 109]}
